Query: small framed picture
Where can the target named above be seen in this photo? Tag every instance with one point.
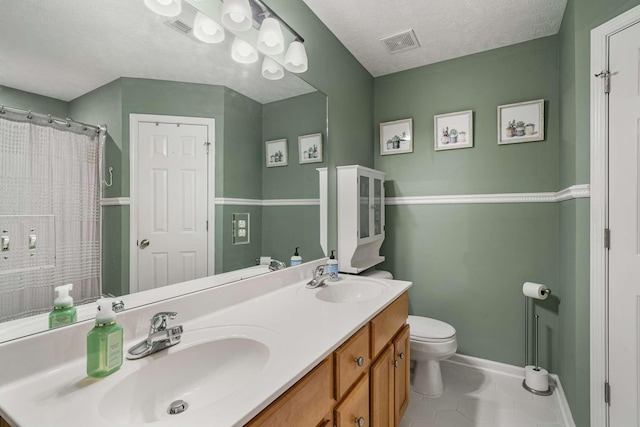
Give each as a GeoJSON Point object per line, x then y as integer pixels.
{"type": "Point", "coordinates": [310, 148]}
{"type": "Point", "coordinates": [396, 137]}
{"type": "Point", "coordinates": [453, 130]}
{"type": "Point", "coordinates": [521, 122]}
{"type": "Point", "coordinates": [276, 153]}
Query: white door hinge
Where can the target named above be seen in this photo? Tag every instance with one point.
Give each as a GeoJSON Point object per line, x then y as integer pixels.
{"type": "Point", "coordinates": [606, 75]}
{"type": "Point", "coordinates": [207, 144]}
{"type": "Point", "coordinates": [607, 393]}
{"type": "Point", "coordinates": [207, 226]}
{"type": "Point", "coordinates": [607, 238]}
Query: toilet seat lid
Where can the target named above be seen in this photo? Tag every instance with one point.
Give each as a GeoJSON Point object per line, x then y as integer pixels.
{"type": "Point", "coordinates": [425, 328]}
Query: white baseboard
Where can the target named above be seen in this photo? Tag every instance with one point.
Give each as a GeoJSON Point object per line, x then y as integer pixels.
{"type": "Point", "coordinates": [516, 372]}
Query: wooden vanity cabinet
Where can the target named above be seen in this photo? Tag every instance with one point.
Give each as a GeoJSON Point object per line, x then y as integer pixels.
{"type": "Point", "coordinates": [368, 377]}
{"type": "Point", "coordinates": [3, 423]}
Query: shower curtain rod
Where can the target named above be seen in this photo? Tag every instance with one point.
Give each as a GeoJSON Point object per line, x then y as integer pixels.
{"type": "Point", "coordinates": [68, 121]}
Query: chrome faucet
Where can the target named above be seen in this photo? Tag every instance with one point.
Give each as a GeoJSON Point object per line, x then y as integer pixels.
{"type": "Point", "coordinates": [319, 277]}
{"type": "Point", "coordinates": [274, 265]}
{"type": "Point", "coordinates": [160, 336]}
{"type": "Point", "coordinates": [118, 305]}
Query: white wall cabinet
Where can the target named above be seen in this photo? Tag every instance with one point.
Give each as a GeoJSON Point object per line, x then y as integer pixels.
{"type": "Point", "coordinates": [360, 217]}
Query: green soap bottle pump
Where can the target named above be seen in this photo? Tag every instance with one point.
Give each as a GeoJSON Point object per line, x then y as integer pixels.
{"type": "Point", "coordinates": [296, 259]}
{"type": "Point", "coordinates": [63, 313]}
{"type": "Point", "coordinates": [104, 342]}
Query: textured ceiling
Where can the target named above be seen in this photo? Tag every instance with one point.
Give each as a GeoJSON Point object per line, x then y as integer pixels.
{"type": "Point", "coordinates": [445, 28]}
{"type": "Point", "coordinates": [66, 48]}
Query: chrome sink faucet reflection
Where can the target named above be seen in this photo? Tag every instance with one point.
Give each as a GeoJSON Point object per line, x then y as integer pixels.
{"type": "Point", "coordinates": [160, 336]}
{"type": "Point", "coordinates": [320, 276]}
{"type": "Point", "coordinates": [274, 264]}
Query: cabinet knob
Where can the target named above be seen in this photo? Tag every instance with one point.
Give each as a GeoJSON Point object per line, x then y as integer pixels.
{"type": "Point", "coordinates": [401, 355]}
{"type": "Point", "coordinates": [395, 363]}
{"type": "Point", "coordinates": [359, 361]}
{"type": "Point", "coordinates": [360, 421]}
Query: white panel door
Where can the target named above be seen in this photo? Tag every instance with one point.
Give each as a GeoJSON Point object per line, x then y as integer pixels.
{"type": "Point", "coordinates": [624, 219]}
{"type": "Point", "coordinates": [172, 203]}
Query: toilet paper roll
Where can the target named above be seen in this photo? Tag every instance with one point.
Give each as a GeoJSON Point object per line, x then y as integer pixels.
{"type": "Point", "coordinates": [536, 380]}
{"type": "Point", "coordinates": [535, 290]}
{"type": "Point", "coordinates": [265, 260]}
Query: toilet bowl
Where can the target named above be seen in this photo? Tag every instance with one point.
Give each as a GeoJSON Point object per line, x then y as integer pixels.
{"type": "Point", "coordinates": [431, 342]}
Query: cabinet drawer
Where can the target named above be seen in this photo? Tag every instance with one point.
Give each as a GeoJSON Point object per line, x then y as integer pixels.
{"type": "Point", "coordinates": [354, 406]}
{"type": "Point", "coordinates": [303, 404]}
{"type": "Point", "coordinates": [352, 360]}
{"type": "Point", "coordinates": [385, 325]}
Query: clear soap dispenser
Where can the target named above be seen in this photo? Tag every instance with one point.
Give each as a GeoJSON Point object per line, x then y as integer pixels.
{"type": "Point", "coordinates": [332, 267]}
{"type": "Point", "coordinates": [63, 313]}
{"type": "Point", "coordinates": [104, 342]}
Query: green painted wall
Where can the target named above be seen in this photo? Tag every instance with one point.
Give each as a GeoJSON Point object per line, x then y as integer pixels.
{"type": "Point", "coordinates": [349, 88]}
{"type": "Point", "coordinates": [468, 262]}
{"type": "Point", "coordinates": [36, 103]}
{"type": "Point", "coordinates": [284, 228]}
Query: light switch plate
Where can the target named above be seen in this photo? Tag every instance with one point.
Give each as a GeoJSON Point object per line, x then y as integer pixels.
{"type": "Point", "coordinates": [241, 233]}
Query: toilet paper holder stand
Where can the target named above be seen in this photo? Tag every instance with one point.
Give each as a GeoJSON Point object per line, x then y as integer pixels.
{"type": "Point", "coordinates": [549, 391]}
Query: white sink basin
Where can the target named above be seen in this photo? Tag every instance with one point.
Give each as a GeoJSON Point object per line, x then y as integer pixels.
{"type": "Point", "coordinates": [206, 367]}
{"type": "Point", "coordinates": [351, 290]}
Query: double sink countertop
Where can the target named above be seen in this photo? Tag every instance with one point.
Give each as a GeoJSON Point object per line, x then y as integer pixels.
{"type": "Point", "coordinates": [262, 336]}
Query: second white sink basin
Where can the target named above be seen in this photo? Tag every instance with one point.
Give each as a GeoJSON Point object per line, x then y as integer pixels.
{"type": "Point", "coordinates": [351, 290]}
{"type": "Point", "coordinates": [207, 366]}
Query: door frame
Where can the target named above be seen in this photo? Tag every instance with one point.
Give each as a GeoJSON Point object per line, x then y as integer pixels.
{"type": "Point", "coordinates": [599, 260]}
{"type": "Point", "coordinates": [134, 122]}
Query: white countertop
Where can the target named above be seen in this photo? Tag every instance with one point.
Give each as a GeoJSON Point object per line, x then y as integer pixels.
{"type": "Point", "coordinates": [301, 329]}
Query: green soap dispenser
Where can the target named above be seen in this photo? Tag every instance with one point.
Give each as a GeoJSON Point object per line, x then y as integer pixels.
{"type": "Point", "coordinates": [63, 313]}
{"type": "Point", "coordinates": [104, 342]}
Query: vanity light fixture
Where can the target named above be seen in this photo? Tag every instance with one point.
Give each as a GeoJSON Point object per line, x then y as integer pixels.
{"type": "Point", "coordinates": [207, 30]}
{"type": "Point", "coordinates": [271, 70]}
{"type": "Point", "coordinates": [165, 7]}
{"type": "Point", "coordinates": [270, 39]}
{"type": "Point", "coordinates": [243, 52]}
{"type": "Point", "coordinates": [295, 60]}
{"type": "Point", "coordinates": [237, 15]}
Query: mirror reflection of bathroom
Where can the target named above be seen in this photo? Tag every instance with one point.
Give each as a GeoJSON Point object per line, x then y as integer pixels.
{"type": "Point", "coordinates": [78, 201]}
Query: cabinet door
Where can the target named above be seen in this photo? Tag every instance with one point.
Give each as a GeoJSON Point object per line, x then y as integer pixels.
{"type": "Point", "coordinates": [353, 411]}
{"type": "Point", "coordinates": [382, 395]}
{"type": "Point", "coordinates": [377, 209]}
{"type": "Point", "coordinates": [402, 345]}
{"type": "Point", "coordinates": [363, 206]}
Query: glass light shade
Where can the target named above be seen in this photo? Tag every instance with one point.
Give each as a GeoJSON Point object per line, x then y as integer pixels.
{"type": "Point", "coordinates": [295, 60]}
{"type": "Point", "coordinates": [165, 7]}
{"type": "Point", "coordinates": [243, 52]}
{"type": "Point", "coordinates": [270, 40]}
{"type": "Point", "coordinates": [207, 30]}
{"type": "Point", "coordinates": [236, 15]}
{"type": "Point", "coordinates": [271, 70]}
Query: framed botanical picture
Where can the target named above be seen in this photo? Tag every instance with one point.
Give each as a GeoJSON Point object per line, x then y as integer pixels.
{"type": "Point", "coordinates": [521, 122]}
{"type": "Point", "coordinates": [396, 137]}
{"type": "Point", "coordinates": [453, 130]}
{"type": "Point", "coordinates": [276, 152]}
{"type": "Point", "coordinates": [310, 148]}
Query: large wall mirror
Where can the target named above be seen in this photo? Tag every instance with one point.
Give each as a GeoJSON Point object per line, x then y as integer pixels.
{"type": "Point", "coordinates": [117, 63]}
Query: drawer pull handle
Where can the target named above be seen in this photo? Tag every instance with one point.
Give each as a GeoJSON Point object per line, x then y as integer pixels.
{"type": "Point", "coordinates": [359, 361]}
{"type": "Point", "coordinates": [360, 422]}
{"type": "Point", "coordinates": [401, 355]}
{"type": "Point", "coordinates": [324, 423]}
{"type": "Point", "coordinates": [395, 363]}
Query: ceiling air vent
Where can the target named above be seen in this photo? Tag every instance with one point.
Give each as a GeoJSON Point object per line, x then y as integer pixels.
{"type": "Point", "coordinates": [400, 42]}
{"type": "Point", "coordinates": [179, 26]}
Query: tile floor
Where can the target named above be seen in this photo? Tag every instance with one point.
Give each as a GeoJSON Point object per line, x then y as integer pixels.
{"type": "Point", "coordinates": [474, 398]}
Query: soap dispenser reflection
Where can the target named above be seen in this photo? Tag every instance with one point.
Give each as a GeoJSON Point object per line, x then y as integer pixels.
{"type": "Point", "coordinates": [332, 267]}
{"type": "Point", "coordinates": [63, 313]}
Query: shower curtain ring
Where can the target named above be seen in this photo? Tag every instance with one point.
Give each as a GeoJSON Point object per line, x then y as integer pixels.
{"type": "Point", "coordinates": [49, 118]}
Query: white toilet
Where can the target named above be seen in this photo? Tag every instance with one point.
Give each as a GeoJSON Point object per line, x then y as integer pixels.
{"type": "Point", "coordinates": [431, 342]}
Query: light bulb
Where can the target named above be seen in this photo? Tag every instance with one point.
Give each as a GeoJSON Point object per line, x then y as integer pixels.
{"type": "Point", "coordinates": [271, 70]}
{"type": "Point", "coordinates": [270, 40]}
{"type": "Point", "coordinates": [243, 52]}
{"type": "Point", "coordinates": [165, 7]}
{"type": "Point", "coordinates": [207, 30]}
{"type": "Point", "coordinates": [236, 15]}
{"type": "Point", "coordinates": [295, 60]}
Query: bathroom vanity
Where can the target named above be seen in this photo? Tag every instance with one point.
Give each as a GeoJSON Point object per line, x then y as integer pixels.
{"type": "Point", "coordinates": [265, 351]}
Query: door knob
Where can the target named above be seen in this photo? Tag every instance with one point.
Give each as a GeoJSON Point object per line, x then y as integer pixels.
{"type": "Point", "coordinates": [144, 243]}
